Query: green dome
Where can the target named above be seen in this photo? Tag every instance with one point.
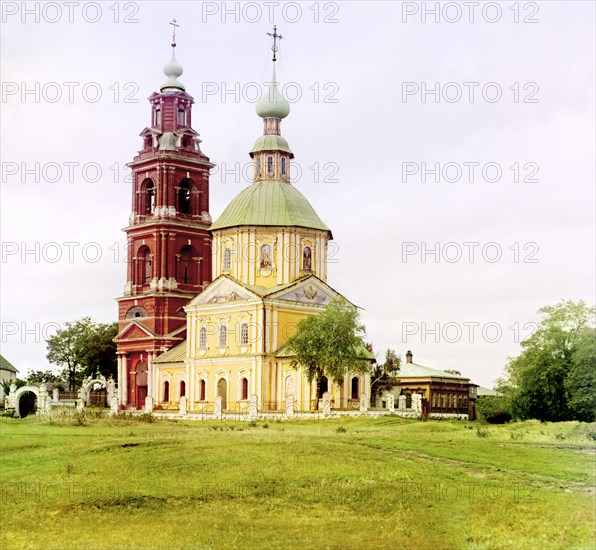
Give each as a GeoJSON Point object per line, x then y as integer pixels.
{"type": "Point", "coordinates": [271, 142]}
{"type": "Point", "coordinates": [273, 104]}
{"type": "Point", "coordinates": [270, 203]}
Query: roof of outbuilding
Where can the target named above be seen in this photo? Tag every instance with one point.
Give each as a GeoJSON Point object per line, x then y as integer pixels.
{"type": "Point", "coordinates": [487, 392]}
{"type": "Point", "coordinates": [6, 365]}
{"type": "Point", "coordinates": [413, 370]}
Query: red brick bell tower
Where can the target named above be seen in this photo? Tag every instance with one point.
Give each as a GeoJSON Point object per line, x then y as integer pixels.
{"type": "Point", "coordinates": [169, 246]}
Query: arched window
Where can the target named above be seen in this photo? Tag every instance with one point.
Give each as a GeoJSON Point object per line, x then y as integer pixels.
{"type": "Point", "coordinates": [181, 116]}
{"type": "Point", "coordinates": [244, 334]}
{"type": "Point", "coordinates": [187, 266]}
{"type": "Point", "coordinates": [355, 387]}
{"type": "Point", "coordinates": [244, 388]}
{"type": "Point", "coordinates": [202, 388]}
{"type": "Point", "coordinates": [148, 197]}
{"type": "Point", "coordinates": [203, 337]}
{"type": "Point", "coordinates": [182, 388]}
{"type": "Point", "coordinates": [184, 206]}
{"type": "Point", "coordinates": [307, 258]}
{"type": "Point", "coordinates": [258, 166]}
{"type": "Point", "coordinates": [136, 311]}
{"type": "Point", "coordinates": [166, 391]}
{"type": "Point", "coordinates": [145, 258]}
{"type": "Point", "coordinates": [157, 117]}
{"type": "Point", "coordinates": [284, 162]}
{"type": "Point", "coordinates": [269, 165]}
{"type": "Point", "coordinates": [227, 259]}
{"type": "Point", "coordinates": [223, 336]}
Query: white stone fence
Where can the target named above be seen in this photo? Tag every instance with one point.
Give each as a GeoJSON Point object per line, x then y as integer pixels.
{"type": "Point", "coordinates": [45, 401]}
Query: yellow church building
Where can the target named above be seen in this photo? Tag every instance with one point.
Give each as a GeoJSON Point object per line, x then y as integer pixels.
{"type": "Point", "coordinates": [269, 263]}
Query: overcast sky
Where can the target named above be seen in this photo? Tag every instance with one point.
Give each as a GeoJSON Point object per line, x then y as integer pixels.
{"type": "Point", "coordinates": [366, 120]}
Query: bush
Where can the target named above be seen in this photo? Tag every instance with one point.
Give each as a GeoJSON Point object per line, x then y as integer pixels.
{"type": "Point", "coordinates": [494, 410]}
{"type": "Point", "coordinates": [482, 432]}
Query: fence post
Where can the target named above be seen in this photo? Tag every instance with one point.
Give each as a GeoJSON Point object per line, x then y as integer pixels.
{"type": "Point", "coordinates": [363, 402]}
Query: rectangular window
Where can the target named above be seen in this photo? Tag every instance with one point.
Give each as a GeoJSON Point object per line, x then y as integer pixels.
{"type": "Point", "coordinates": [227, 260]}
{"type": "Point", "coordinates": [223, 336]}
{"type": "Point", "coordinates": [283, 166]}
{"type": "Point", "coordinates": [269, 166]}
{"type": "Point", "coordinates": [244, 334]}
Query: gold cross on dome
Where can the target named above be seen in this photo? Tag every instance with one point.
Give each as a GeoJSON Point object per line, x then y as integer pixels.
{"type": "Point", "coordinates": [174, 25]}
{"type": "Point", "coordinates": [276, 37]}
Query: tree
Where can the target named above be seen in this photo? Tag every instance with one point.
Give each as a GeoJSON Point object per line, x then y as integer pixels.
{"type": "Point", "coordinates": [7, 382]}
{"type": "Point", "coordinates": [84, 348]}
{"type": "Point", "coordinates": [553, 378]}
{"type": "Point", "coordinates": [581, 380]}
{"type": "Point", "coordinates": [39, 376]}
{"type": "Point", "coordinates": [494, 410]}
{"type": "Point", "coordinates": [383, 377]}
{"type": "Point", "coordinates": [330, 344]}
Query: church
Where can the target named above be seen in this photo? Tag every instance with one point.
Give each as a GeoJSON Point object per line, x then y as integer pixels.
{"type": "Point", "coordinates": [208, 306]}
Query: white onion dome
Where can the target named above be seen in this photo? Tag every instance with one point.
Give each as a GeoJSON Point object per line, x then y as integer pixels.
{"type": "Point", "coordinates": [172, 70]}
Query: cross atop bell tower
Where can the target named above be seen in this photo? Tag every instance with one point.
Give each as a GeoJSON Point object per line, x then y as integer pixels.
{"type": "Point", "coordinates": [169, 245]}
{"type": "Point", "coordinates": [174, 25]}
{"type": "Point", "coordinates": [275, 37]}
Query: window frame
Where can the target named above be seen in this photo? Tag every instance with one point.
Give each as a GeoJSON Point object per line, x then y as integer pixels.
{"type": "Point", "coordinates": [202, 337]}
{"type": "Point", "coordinates": [227, 259]}
{"type": "Point", "coordinates": [223, 336]}
{"type": "Point", "coordinates": [244, 334]}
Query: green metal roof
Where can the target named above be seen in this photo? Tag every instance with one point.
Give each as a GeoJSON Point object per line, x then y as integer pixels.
{"type": "Point", "coordinates": [270, 203]}
{"type": "Point", "coordinates": [418, 371]}
{"type": "Point", "coordinates": [271, 142]}
{"type": "Point", "coordinates": [487, 392]}
{"type": "Point", "coordinates": [173, 355]}
{"type": "Point", "coordinates": [5, 365]}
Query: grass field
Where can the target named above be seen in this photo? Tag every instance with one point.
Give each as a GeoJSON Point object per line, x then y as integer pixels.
{"type": "Point", "coordinates": [338, 483]}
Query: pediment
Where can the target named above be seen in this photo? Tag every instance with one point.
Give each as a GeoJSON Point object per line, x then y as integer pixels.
{"type": "Point", "coordinates": [186, 132]}
{"type": "Point", "coordinates": [308, 291]}
{"type": "Point", "coordinates": [135, 330]}
{"type": "Point", "coordinates": [222, 290]}
{"type": "Point", "coordinates": [149, 131]}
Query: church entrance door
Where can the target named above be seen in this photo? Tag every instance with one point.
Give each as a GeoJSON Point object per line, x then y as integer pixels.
{"type": "Point", "coordinates": [141, 394]}
{"type": "Point", "coordinates": [222, 391]}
